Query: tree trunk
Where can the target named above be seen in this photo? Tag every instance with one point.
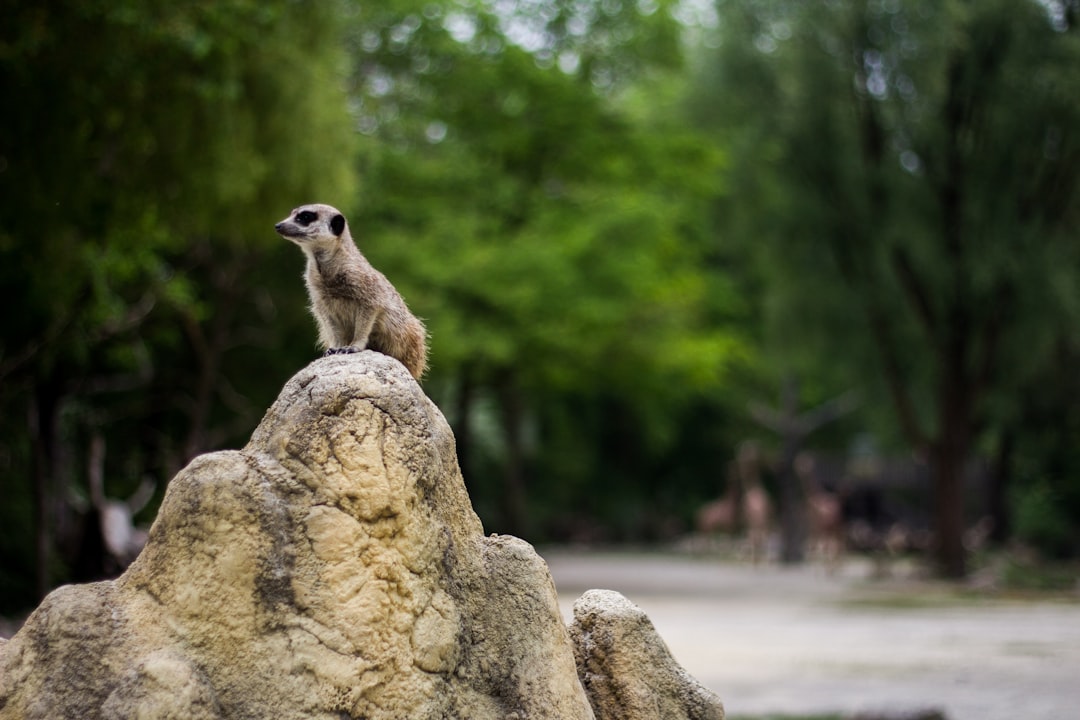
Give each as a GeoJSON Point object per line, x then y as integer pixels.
{"type": "Point", "coordinates": [949, 457]}
{"type": "Point", "coordinates": [792, 507]}
{"type": "Point", "coordinates": [998, 502]}
{"type": "Point", "coordinates": [210, 345]}
{"type": "Point", "coordinates": [43, 419]}
{"type": "Point", "coordinates": [42, 543]}
{"type": "Point", "coordinates": [515, 503]}
{"type": "Point", "coordinates": [462, 410]}
{"type": "Point", "coordinates": [949, 512]}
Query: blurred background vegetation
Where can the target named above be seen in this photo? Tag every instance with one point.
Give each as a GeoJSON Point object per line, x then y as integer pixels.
{"type": "Point", "coordinates": [625, 222]}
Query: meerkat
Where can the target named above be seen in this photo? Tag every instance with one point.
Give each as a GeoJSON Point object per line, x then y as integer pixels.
{"type": "Point", "coordinates": [354, 305]}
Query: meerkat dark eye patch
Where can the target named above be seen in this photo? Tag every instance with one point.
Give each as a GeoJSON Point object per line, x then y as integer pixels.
{"type": "Point", "coordinates": [306, 217]}
{"type": "Point", "coordinates": [337, 224]}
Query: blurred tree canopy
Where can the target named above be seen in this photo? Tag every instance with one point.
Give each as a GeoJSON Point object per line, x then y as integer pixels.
{"type": "Point", "coordinates": [557, 250]}
{"type": "Point", "coordinates": [613, 249]}
{"type": "Point", "coordinates": [150, 151]}
{"type": "Point", "coordinates": [907, 177]}
{"type": "Point", "coordinates": [505, 164]}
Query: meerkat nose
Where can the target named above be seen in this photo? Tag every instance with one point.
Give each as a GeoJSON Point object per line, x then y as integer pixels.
{"type": "Point", "coordinates": [278, 226]}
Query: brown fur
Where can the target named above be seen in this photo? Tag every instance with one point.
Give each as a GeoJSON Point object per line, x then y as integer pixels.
{"type": "Point", "coordinates": [354, 305]}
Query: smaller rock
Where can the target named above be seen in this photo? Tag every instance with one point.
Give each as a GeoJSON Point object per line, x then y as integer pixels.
{"type": "Point", "coordinates": [627, 670]}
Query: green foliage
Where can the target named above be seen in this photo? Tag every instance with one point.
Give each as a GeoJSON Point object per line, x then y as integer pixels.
{"type": "Point", "coordinates": [1042, 520]}
{"type": "Point", "coordinates": [839, 141]}
{"type": "Point", "coordinates": [606, 283]}
{"type": "Point", "coordinates": [904, 182]}
{"type": "Point", "coordinates": [558, 249]}
{"type": "Point", "coordinates": [140, 134]}
{"type": "Point", "coordinates": [1026, 574]}
{"type": "Point", "coordinates": [153, 147]}
{"type": "Point", "coordinates": [520, 183]}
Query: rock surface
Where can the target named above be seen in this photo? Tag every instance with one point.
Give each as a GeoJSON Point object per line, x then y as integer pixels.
{"type": "Point", "coordinates": [626, 668]}
{"type": "Point", "coordinates": [333, 568]}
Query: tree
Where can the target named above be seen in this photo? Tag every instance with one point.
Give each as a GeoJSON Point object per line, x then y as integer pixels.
{"type": "Point", "coordinates": [150, 143]}
{"type": "Point", "coordinates": [556, 254]}
{"type": "Point", "coordinates": [793, 428]}
{"type": "Point", "coordinates": [909, 173]}
{"type": "Point", "coordinates": [519, 183]}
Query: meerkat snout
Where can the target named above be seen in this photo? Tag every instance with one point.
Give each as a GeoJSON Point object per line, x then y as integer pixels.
{"type": "Point", "coordinates": [354, 305]}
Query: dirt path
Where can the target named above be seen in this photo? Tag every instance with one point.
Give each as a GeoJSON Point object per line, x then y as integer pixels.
{"type": "Point", "coordinates": [774, 640]}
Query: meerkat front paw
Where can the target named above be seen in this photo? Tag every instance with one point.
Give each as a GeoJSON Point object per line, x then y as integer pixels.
{"type": "Point", "coordinates": [348, 349]}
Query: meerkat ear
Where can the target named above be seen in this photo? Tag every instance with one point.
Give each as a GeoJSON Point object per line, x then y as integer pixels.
{"type": "Point", "coordinates": [337, 224]}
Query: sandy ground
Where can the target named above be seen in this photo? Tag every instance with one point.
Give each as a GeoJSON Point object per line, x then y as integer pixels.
{"type": "Point", "coordinates": [795, 641]}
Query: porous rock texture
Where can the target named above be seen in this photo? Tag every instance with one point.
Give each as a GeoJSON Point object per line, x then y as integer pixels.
{"type": "Point", "coordinates": [332, 569]}
{"type": "Point", "coordinates": [627, 669]}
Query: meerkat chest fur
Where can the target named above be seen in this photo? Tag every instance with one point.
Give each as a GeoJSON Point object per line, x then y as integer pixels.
{"type": "Point", "coordinates": [347, 295]}
{"type": "Point", "coordinates": [354, 305]}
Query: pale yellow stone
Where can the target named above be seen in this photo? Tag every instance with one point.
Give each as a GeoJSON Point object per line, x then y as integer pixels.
{"type": "Point", "coordinates": [331, 569]}
{"type": "Point", "coordinates": [627, 669]}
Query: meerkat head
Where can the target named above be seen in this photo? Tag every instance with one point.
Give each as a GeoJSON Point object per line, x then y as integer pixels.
{"type": "Point", "coordinates": [314, 227]}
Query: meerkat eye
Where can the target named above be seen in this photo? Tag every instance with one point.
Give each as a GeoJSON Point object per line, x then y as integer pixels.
{"type": "Point", "coordinates": [306, 217]}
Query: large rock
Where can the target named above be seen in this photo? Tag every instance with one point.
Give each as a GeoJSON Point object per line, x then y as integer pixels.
{"type": "Point", "coordinates": [627, 669]}
{"type": "Point", "coordinates": [333, 569]}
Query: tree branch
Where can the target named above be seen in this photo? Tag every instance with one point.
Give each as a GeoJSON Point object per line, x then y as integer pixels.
{"type": "Point", "coordinates": [55, 331]}
{"type": "Point", "coordinates": [828, 411]}
{"type": "Point", "coordinates": [788, 422]}
{"type": "Point", "coordinates": [991, 342]}
{"type": "Point", "coordinates": [915, 291]}
{"type": "Point", "coordinates": [894, 378]}
{"type": "Point", "coordinates": [769, 417]}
